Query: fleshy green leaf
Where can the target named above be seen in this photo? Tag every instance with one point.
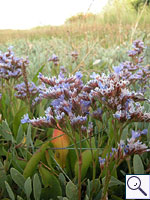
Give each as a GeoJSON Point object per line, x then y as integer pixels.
{"type": "Point", "coordinates": [49, 180]}
{"type": "Point", "coordinates": [71, 191]}
{"type": "Point", "coordinates": [19, 198]}
{"type": "Point", "coordinates": [113, 182]}
{"type": "Point", "coordinates": [17, 119]}
{"type": "Point", "coordinates": [17, 177]}
{"type": "Point", "coordinates": [9, 190]}
{"type": "Point", "coordinates": [28, 187]}
{"type": "Point", "coordinates": [138, 165]}
{"type": "Point", "coordinates": [3, 176]}
{"type": "Point", "coordinates": [35, 159]}
{"type": "Point", "coordinates": [20, 134]}
{"type": "Point", "coordinates": [6, 132]}
{"type": "Point", "coordinates": [37, 187]}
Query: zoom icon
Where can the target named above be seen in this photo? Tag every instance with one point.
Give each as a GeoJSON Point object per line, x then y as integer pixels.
{"type": "Point", "coordinates": [137, 186]}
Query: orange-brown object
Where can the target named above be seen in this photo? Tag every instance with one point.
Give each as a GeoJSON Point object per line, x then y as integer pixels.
{"type": "Point", "coordinates": [60, 142]}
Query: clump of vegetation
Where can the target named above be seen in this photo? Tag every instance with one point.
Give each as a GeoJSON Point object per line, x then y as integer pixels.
{"type": "Point", "coordinates": [83, 134]}
{"type": "Point", "coordinates": [74, 113]}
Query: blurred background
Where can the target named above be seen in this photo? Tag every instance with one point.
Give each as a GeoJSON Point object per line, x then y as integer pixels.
{"type": "Point", "coordinates": [99, 18]}
{"type": "Point", "coordinates": [99, 30]}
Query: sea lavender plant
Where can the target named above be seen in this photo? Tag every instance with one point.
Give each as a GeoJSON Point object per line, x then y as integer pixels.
{"type": "Point", "coordinates": [10, 65]}
{"type": "Point", "coordinates": [133, 70]}
{"type": "Point", "coordinates": [33, 93]}
{"type": "Point", "coordinates": [73, 106]}
{"type": "Point", "coordinates": [124, 150]}
{"type": "Point", "coordinates": [69, 103]}
{"type": "Point", "coordinates": [113, 93]}
{"type": "Point", "coordinates": [68, 110]}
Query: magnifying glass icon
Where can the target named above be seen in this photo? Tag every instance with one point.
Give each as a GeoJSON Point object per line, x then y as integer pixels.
{"type": "Point", "coordinates": [134, 183]}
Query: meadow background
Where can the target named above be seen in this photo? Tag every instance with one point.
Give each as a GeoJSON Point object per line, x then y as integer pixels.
{"type": "Point", "coordinates": [106, 36]}
{"type": "Point", "coordinates": [102, 42]}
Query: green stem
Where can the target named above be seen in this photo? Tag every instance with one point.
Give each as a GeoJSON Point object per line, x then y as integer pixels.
{"type": "Point", "coordinates": [79, 158]}
{"type": "Point", "coordinates": [105, 189]}
{"type": "Point", "coordinates": [129, 166]}
{"type": "Point", "coordinates": [94, 168]}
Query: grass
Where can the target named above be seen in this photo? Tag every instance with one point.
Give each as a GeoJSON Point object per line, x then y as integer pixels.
{"type": "Point", "coordinates": [106, 36]}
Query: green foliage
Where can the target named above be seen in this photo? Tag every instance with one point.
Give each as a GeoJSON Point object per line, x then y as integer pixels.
{"type": "Point", "coordinates": [9, 190]}
{"type": "Point", "coordinates": [3, 176]}
{"type": "Point", "coordinates": [138, 4]}
{"type": "Point", "coordinates": [35, 159]}
{"type": "Point", "coordinates": [86, 161]}
{"type": "Point", "coordinates": [50, 181]}
{"type": "Point", "coordinates": [71, 191]}
{"type": "Point", "coordinates": [28, 187]}
{"type": "Point", "coordinates": [18, 178]}
{"type": "Point", "coordinates": [138, 165]}
{"type": "Point", "coordinates": [36, 187]}
{"type": "Point", "coordinates": [27, 167]}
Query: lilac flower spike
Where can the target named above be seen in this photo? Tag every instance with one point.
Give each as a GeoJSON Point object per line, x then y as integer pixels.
{"type": "Point", "coordinates": [133, 146]}
{"type": "Point", "coordinates": [10, 65]}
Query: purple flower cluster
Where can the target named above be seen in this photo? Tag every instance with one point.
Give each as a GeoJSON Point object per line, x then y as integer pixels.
{"type": "Point", "coordinates": [68, 102]}
{"type": "Point", "coordinates": [22, 91]}
{"type": "Point", "coordinates": [123, 150]}
{"type": "Point", "coordinates": [23, 94]}
{"type": "Point", "coordinates": [54, 59]}
{"type": "Point", "coordinates": [136, 134]}
{"type": "Point", "coordinates": [10, 65]}
{"type": "Point", "coordinates": [138, 47]}
{"type": "Point", "coordinates": [112, 93]}
{"type": "Point", "coordinates": [133, 70]}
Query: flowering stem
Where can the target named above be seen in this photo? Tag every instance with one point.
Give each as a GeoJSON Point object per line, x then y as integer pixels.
{"type": "Point", "coordinates": [94, 168]}
{"type": "Point", "coordinates": [107, 179]}
{"type": "Point", "coordinates": [80, 167]}
{"type": "Point", "coordinates": [129, 166]}
{"type": "Point", "coordinates": [79, 158]}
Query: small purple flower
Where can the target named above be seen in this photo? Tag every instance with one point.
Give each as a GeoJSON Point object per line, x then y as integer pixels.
{"type": "Point", "coordinates": [101, 85]}
{"type": "Point", "coordinates": [144, 132]}
{"type": "Point", "coordinates": [54, 59]}
{"type": "Point", "coordinates": [94, 75]}
{"type": "Point", "coordinates": [117, 69]}
{"type": "Point", "coordinates": [114, 150]}
{"type": "Point", "coordinates": [78, 75]}
{"type": "Point", "coordinates": [102, 162]}
{"type": "Point", "coordinates": [57, 102]}
{"type": "Point", "coordinates": [25, 119]}
{"type": "Point", "coordinates": [135, 134]}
